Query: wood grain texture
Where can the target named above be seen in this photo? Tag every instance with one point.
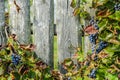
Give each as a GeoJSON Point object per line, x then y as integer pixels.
{"type": "Point", "coordinates": [20, 21]}
{"type": "Point", "coordinates": [68, 29]}
{"type": "Point", "coordinates": [43, 29]}
{"type": "Point", "coordinates": [2, 22]}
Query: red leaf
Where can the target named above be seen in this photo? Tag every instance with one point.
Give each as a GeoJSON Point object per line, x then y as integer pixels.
{"type": "Point", "coordinates": [90, 29]}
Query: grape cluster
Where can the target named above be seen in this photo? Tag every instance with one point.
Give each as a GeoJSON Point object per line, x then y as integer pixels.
{"type": "Point", "coordinates": [101, 46]}
{"type": "Point", "coordinates": [15, 59]}
{"type": "Point", "coordinates": [93, 73]}
{"type": "Point", "coordinates": [117, 7]}
{"type": "Point", "coordinates": [93, 38]}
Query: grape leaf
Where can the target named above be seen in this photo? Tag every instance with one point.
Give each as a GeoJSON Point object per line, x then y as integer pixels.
{"type": "Point", "coordinates": [73, 4]}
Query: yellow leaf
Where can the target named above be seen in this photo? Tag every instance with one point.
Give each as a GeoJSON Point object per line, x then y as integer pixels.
{"type": "Point", "coordinates": [76, 11]}
{"type": "Point", "coordinates": [114, 41]}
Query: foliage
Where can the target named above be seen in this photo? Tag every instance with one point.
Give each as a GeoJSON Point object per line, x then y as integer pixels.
{"type": "Point", "coordinates": [19, 62]}
{"type": "Point", "coordinates": [29, 67]}
{"type": "Point", "coordinates": [105, 67]}
{"type": "Point", "coordinates": [104, 34]}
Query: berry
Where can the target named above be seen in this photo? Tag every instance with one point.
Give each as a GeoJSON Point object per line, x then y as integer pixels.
{"type": "Point", "coordinates": [93, 38]}
{"type": "Point", "coordinates": [96, 26]}
{"type": "Point", "coordinates": [93, 48]}
{"type": "Point", "coordinates": [15, 59]}
{"type": "Point", "coordinates": [101, 46]}
{"type": "Point", "coordinates": [96, 58]}
{"type": "Point", "coordinates": [117, 7]}
{"type": "Point", "coordinates": [92, 21]}
{"type": "Point", "coordinates": [93, 73]}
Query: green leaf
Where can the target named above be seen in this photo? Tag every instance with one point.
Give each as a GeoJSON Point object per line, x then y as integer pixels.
{"type": "Point", "coordinates": [3, 52]}
{"type": "Point", "coordinates": [16, 75]}
{"type": "Point", "coordinates": [101, 74]}
{"type": "Point", "coordinates": [76, 11]}
{"type": "Point", "coordinates": [108, 37]}
{"type": "Point", "coordinates": [115, 16]}
{"type": "Point", "coordinates": [102, 25]}
{"type": "Point", "coordinates": [2, 78]}
{"type": "Point", "coordinates": [78, 78]}
{"type": "Point", "coordinates": [1, 70]}
{"type": "Point", "coordinates": [73, 4]}
{"type": "Point", "coordinates": [111, 76]}
{"type": "Point", "coordinates": [31, 74]}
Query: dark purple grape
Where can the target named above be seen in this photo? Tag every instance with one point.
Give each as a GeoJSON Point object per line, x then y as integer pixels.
{"type": "Point", "coordinates": [15, 59]}
{"type": "Point", "coordinates": [93, 38]}
{"type": "Point", "coordinates": [96, 58]}
{"type": "Point", "coordinates": [96, 26]}
{"type": "Point", "coordinates": [101, 46]}
{"type": "Point", "coordinates": [117, 7]}
{"type": "Point", "coordinates": [93, 73]}
{"type": "Point", "coordinates": [92, 21]}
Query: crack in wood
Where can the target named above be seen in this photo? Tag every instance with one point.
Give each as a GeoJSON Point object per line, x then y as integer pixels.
{"type": "Point", "coordinates": [67, 5]}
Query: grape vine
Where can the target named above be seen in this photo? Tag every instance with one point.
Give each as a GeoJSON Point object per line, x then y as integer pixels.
{"type": "Point", "coordinates": [104, 35]}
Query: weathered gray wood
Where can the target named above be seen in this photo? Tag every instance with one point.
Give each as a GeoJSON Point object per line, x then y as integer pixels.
{"type": "Point", "coordinates": [20, 21]}
{"type": "Point", "coordinates": [2, 22]}
{"type": "Point", "coordinates": [68, 31]}
{"type": "Point", "coordinates": [43, 29]}
{"type": "Point", "coordinates": [87, 45]}
{"type": "Point", "coordinates": [56, 11]}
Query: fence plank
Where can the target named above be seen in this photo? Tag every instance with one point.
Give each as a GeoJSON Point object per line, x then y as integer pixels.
{"type": "Point", "coordinates": [2, 22]}
{"type": "Point", "coordinates": [68, 31]}
{"type": "Point", "coordinates": [19, 19]}
{"type": "Point", "coordinates": [43, 29]}
{"type": "Point", "coordinates": [87, 44]}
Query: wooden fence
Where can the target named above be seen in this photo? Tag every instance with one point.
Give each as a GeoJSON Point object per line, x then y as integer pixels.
{"type": "Point", "coordinates": [44, 14]}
